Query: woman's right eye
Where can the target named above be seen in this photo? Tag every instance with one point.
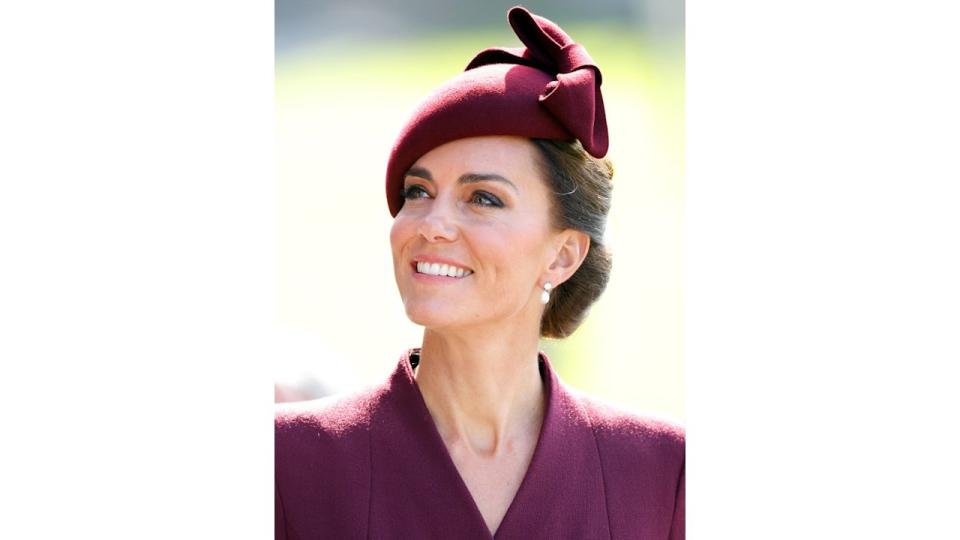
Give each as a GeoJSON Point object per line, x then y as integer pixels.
{"type": "Point", "coordinates": [415, 191]}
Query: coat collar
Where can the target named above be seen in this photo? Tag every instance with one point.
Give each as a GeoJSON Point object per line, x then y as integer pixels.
{"type": "Point", "coordinates": [415, 485]}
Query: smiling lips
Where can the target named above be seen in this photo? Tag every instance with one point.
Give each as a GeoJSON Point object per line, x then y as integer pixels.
{"type": "Point", "coordinates": [442, 269]}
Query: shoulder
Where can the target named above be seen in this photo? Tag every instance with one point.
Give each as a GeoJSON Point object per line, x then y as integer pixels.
{"type": "Point", "coordinates": [642, 460]}
{"type": "Point", "coordinates": [622, 432]}
{"type": "Point", "coordinates": [337, 421]}
{"type": "Point", "coordinates": [322, 460]}
{"type": "Point", "coordinates": [338, 413]}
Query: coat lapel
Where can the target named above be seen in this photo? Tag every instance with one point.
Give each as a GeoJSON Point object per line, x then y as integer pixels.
{"type": "Point", "coordinates": [416, 489]}
{"type": "Point", "coordinates": [416, 486]}
{"type": "Point", "coordinates": [562, 494]}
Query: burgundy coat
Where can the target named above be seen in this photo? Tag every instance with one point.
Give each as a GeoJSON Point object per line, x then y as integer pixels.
{"type": "Point", "coordinates": [373, 465]}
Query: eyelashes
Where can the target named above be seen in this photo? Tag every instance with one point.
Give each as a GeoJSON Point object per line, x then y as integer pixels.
{"type": "Point", "coordinates": [478, 197]}
{"type": "Point", "coordinates": [414, 191]}
{"type": "Point", "coordinates": [483, 198]}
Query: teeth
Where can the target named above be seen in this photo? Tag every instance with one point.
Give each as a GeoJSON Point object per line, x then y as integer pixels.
{"type": "Point", "coordinates": [437, 269]}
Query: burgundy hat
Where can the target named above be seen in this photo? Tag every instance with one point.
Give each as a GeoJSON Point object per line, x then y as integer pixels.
{"type": "Point", "coordinates": [549, 89]}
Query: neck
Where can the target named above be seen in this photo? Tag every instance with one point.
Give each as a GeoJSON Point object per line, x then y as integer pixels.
{"type": "Point", "coordinates": [483, 394]}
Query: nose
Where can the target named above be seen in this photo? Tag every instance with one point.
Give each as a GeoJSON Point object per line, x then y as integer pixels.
{"type": "Point", "coordinates": [437, 226]}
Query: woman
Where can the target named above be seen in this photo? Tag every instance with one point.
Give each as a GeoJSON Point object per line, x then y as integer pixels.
{"type": "Point", "coordinates": [499, 195]}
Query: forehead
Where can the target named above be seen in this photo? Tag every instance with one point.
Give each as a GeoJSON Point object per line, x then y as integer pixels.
{"type": "Point", "coordinates": [509, 156]}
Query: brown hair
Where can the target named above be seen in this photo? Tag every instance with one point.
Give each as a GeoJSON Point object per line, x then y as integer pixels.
{"type": "Point", "coordinates": [582, 187]}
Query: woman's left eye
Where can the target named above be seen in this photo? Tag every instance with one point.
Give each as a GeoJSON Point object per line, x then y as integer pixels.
{"type": "Point", "coordinates": [482, 198]}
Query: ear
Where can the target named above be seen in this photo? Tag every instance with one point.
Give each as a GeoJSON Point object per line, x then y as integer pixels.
{"type": "Point", "coordinates": [572, 246]}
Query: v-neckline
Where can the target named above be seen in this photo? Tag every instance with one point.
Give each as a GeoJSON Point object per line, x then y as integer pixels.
{"type": "Point", "coordinates": [413, 358]}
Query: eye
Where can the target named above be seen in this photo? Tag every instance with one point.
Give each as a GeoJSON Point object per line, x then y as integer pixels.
{"type": "Point", "coordinates": [415, 191]}
{"type": "Point", "coordinates": [482, 198]}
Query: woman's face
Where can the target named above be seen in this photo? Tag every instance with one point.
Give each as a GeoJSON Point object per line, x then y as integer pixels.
{"type": "Point", "coordinates": [479, 209]}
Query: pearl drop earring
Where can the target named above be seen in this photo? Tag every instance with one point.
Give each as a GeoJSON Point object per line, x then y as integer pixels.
{"type": "Point", "coordinates": [545, 295]}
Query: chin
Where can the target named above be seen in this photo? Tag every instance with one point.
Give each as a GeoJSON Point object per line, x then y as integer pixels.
{"type": "Point", "coordinates": [434, 316]}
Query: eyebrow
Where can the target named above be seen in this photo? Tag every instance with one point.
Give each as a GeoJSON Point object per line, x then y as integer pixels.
{"type": "Point", "coordinates": [466, 178]}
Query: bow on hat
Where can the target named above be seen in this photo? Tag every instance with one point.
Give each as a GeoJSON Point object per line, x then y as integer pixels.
{"type": "Point", "coordinates": [574, 97]}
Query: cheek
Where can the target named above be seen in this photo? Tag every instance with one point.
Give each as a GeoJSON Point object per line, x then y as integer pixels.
{"type": "Point", "coordinates": [400, 233]}
{"type": "Point", "coordinates": [516, 253]}
{"type": "Point", "coordinates": [528, 237]}
{"type": "Point", "coordinates": [399, 236]}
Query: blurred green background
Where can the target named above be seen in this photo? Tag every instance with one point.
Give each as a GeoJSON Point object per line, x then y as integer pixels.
{"type": "Point", "coordinates": [347, 77]}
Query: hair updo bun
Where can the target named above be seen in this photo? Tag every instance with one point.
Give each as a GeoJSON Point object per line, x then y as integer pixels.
{"type": "Point", "coordinates": [581, 186]}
